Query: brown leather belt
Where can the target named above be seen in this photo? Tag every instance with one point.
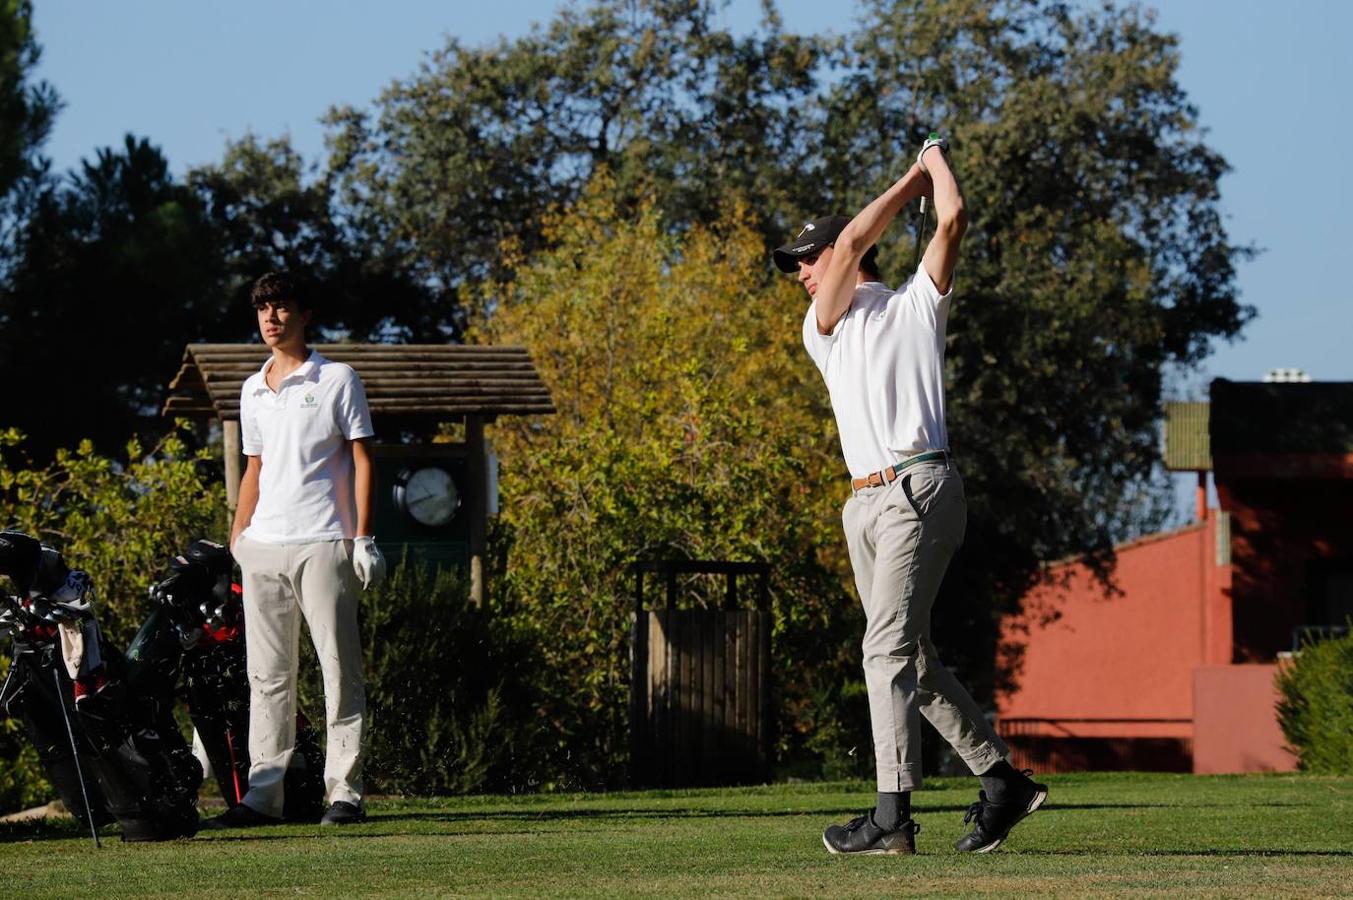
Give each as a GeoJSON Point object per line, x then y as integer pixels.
{"type": "Point", "coordinates": [890, 474]}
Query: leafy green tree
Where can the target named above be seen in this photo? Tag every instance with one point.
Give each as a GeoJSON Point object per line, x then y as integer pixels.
{"type": "Point", "coordinates": [1315, 706]}
{"type": "Point", "coordinates": [123, 265]}
{"type": "Point", "coordinates": [684, 430]}
{"type": "Point", "coordinates": [1097, 257]}
{"type": "Point", "coordinates": [477, 146]}
{"type": "Point", "coordinates": [118, 518]}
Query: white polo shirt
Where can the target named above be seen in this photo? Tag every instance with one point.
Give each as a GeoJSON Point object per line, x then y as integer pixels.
{"type": "Point", "coordinates": [305, 485]}
{"type": "Point", "coordinates": [884, 368]}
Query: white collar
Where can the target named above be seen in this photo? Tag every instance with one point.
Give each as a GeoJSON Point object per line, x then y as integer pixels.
{"type": "Point", "coordinates": [302, 372]}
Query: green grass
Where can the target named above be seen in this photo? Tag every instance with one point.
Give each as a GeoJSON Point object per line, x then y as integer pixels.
{"type": "Point", "coordinates": [1099, 834]}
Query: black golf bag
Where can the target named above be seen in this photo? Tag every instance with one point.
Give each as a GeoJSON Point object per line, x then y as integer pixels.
{"type": "Point", "coordinates": [34, 693]}
{"type": "Point", "coordinates": [194, 637]}
{"type": "Point", "coordinates": [66, 677]}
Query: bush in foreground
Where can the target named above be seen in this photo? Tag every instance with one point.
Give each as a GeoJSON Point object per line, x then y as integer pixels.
{"type": "Point", "coordinates": [1316, 709]}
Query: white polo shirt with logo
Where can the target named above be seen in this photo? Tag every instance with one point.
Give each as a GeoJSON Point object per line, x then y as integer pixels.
{"type": "Point", "coordinates": [305, 486]}
{"type": "Point", "coordinates": [884, 368]}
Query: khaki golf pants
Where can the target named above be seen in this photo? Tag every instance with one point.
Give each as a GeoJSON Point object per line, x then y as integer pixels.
{"type": "Point", "coordinates": [282, 583]}
{"type": "Point", "coordinates": [901, 537]}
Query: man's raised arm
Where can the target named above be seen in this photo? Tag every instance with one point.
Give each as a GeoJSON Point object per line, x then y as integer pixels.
{"type": "Point", "coordinates": [833, 296]}
{"type": "Point", "coordinates": [951, 214]}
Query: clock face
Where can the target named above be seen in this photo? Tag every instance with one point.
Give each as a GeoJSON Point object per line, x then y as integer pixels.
{"type": "Point", "coordinates": [430, 496]}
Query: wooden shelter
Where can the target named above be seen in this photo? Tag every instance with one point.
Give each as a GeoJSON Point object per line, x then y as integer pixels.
{"type": "Point", "coordinates": [406, 385]}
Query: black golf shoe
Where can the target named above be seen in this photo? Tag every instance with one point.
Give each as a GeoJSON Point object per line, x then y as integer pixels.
{"type": "Point", "coordinates": [863, 836]}
{"type": "Point", "coordinates": [341, 812]}
{"type": "Point", "coordinates": [992, 821]}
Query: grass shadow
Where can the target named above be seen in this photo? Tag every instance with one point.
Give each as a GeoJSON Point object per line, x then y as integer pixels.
{"type": "Point", "coordinates": [1215, 852]}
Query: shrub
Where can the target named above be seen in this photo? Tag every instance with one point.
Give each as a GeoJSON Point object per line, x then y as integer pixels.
{"type": "Point", "coordinates": [22, 783]}
{"type": "Point", "coordinates": [447, 710]}
{"type": "Point", "coordinates": [119, 521]}
{"type": "Point", "coordinates": [1316, 707]}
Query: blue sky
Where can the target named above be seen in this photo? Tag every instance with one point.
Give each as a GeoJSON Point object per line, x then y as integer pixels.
{"type": "Point", "coordinates": [1270, 81]}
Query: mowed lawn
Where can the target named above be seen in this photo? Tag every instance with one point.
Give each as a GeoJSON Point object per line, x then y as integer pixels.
{"type": "Point", "coordinates": [1099, 834]}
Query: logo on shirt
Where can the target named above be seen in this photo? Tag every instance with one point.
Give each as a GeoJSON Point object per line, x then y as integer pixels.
{"type": "Point", "coordinates": [309, 401]}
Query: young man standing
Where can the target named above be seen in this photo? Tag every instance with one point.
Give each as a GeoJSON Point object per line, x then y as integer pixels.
{"type": "Point", "coordinates": [881, 353]}
{"type": "Point", "coordinates": [302, 536]}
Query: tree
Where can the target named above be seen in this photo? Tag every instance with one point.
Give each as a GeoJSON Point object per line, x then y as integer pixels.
{"type": "Point", "coordinates": [1096, 258]}
{"type": "Point", "coordinates": [27, 109]}
{"type": "Point", "coordinates": [270, 213]}
{"type": "Point", "coordinates": [119, 271]}
{"type": "Point", "coordinates": [123, 265]}
{"type": "Point", "coordinates": [684, 430]}
{"type": "Point", "coordinates": [483, 141]}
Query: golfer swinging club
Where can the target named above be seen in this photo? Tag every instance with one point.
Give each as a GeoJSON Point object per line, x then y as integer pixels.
{"type": "Point", "coordinates": [881, 353]}
{"type": "Point", "coordinates": [302, 536]}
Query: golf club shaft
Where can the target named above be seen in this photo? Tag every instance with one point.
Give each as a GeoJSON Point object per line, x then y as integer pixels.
{"type": "Point", "coordinates": [75, 754]}
{"type": "Point", "coordinates": [920, 232]}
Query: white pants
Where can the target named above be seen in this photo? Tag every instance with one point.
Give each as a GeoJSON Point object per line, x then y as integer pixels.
{"type": "Point", "coordinates": [283, 582]}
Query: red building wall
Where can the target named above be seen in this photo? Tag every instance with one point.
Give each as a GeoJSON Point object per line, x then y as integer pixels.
{"type": "Point", "coordinates": [1235, 727]}
{"type": "Point", "coordinates": [1106, 681]}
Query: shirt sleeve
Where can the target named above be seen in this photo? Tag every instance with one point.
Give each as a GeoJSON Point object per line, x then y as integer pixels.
{"type": "Point", "coordinates": [926, 300]}
{"type": "Point", "coordinates": [817, 344]}
{"type": "Point", "coordinates": [251, 439]}
{"type": "Point", "coordinates": [354, 418]}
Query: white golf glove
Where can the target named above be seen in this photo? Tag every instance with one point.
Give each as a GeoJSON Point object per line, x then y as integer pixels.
{"type": "Point", "coordinates": [933, 141]}
{"type": "Point", "coordinates": [367, 562]}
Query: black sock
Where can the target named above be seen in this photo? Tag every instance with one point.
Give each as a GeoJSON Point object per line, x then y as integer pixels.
{"type": "Point", "coordinates": [999, 779]}
{"type": "Point", "coordinates": [892, 809]}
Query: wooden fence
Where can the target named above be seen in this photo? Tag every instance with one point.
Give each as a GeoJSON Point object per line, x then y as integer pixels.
{"type": "Point", "coordinates": [700, 688]}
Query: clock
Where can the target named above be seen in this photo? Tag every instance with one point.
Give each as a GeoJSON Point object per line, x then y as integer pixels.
{"type": "Point", "coordinates": [427, 495]}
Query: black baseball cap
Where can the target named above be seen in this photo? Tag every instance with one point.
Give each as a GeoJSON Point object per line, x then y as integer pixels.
{"type": "Point", "coordinates": [812, 237]}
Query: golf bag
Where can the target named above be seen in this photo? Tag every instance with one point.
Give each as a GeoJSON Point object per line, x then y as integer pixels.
{"type": "Point", "coordinates": [194, 636]}
{"type": "Point", "coordinates": [30, 695]}
{"type": "Point", "coordinates": [147, 777]}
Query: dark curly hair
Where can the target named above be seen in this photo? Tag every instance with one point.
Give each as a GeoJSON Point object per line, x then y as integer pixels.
{"type": "Point", "coordinates": [870, 264]}
{"type": "Point", "coordinates": [275, 286]}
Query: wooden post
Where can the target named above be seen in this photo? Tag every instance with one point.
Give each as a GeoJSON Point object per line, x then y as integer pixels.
{"type": "Point", "coordinates": [641, 726]}
{"type": "Point", "coordinates": [477, 506]}
{"type": "Point", "coordinates": [230, 438]}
